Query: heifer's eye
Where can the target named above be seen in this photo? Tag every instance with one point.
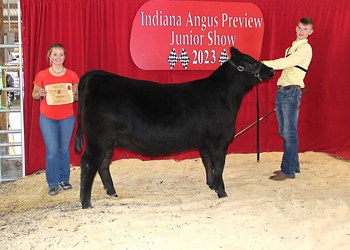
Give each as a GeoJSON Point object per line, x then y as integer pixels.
{"type": "Point", "coordinates": [251, 64]}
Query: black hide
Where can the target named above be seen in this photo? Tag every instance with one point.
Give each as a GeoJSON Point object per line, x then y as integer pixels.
{"type": "Point", "coordinates": [158, 119]}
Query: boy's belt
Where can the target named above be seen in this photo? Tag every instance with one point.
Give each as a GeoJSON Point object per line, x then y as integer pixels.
{"type": "Point", "coordinates": [280, 88]}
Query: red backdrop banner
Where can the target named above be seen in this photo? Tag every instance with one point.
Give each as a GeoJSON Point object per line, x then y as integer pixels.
{"type": "Point", "coordinates": [96, 35]}
{"type": "Point", "coordinates": [197, 34]}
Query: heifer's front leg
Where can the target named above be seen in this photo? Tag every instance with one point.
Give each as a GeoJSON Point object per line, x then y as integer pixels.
{"type": "Point", "coordinates": [208, 168]}
{"type": "Point", "coordinates": [218, 162]}
{"type": "Point", "coordinates": [105, 174]}
{"type": "Point", "coordinates": [88, 172]}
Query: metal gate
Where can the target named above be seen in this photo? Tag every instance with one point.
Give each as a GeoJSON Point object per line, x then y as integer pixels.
{"type": "Point", "coordinates": [12, 149]}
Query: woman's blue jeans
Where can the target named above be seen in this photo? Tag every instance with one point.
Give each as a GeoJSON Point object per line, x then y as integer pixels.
{"type": "Point", "coordinates": [57, 135]}
{"type": "Point", "coordinates": [287, 112]}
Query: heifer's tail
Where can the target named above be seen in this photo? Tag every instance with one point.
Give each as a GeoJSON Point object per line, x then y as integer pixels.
{"type": "Point", "coordinates": [79, 135]}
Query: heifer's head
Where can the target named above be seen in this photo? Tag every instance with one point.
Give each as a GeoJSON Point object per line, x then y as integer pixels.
{"type": "Point", "coordinates": [246, 63]}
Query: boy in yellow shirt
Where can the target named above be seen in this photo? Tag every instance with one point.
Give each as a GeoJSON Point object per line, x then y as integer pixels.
{"type": "Point", "coordinates": [288, 96]}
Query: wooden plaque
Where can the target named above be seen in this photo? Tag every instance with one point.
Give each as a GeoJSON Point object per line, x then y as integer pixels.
{"type": "Point", "coordinates": [59, 93]}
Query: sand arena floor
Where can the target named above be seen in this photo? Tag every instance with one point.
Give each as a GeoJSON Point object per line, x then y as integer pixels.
{"type": "Point", "coordinates": [167, 205]}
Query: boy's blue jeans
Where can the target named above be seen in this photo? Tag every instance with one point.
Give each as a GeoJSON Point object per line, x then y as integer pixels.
{"type": "Point", "coordinates": [287, 112]}
{"type": "Point", "coordinates": [57, 135]}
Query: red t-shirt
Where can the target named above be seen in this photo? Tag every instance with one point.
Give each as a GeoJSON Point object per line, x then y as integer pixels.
{"type": "Point", "coordinates": [56, 112]}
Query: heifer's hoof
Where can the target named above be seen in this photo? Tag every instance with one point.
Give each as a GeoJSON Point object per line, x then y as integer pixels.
{"type": "Point", "coordinates": [86, 205]}
{"type": "Point", "coordinates": [113, 195]}
{"type": "Point", "coordinates": [111, 192]}
{"type": "Point", "coordinates": [221, 194]}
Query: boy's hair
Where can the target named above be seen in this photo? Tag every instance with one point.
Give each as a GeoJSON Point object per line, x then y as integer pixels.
{"type": "Point", "coordinates": [306, 21]}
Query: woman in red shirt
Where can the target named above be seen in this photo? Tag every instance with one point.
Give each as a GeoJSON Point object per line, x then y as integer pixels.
{"type": "Point", "coordinates": [56, 119]}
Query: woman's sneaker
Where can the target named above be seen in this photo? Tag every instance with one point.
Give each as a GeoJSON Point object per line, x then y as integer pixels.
{"type": "Point", "coordinates": [65, 185]}
{"type": "Point", "coordinates": [53, 191]}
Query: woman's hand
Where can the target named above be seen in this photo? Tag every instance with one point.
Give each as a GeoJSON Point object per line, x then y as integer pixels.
{"type": "Point", "coordinates": [42, 92]}
{"type": "Point", "coordinates": [75, 89]}
{"type": "Point", "coordinates": [75, 92]}
{"type": "Point", "coordinates": [38, 92]}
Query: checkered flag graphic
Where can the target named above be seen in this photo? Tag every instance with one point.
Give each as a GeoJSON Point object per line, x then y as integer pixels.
{"type": "Point", "coordinates": [223, 57]}
{"type": "Point", "coordinates": [184, 59]}
{"type": "Point", "coordinates": [172, 59]}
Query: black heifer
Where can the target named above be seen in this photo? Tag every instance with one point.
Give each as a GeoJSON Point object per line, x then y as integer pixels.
{"type": "Point", "coordinates": [158, 119]}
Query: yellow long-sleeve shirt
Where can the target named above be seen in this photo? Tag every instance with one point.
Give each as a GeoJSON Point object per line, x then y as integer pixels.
{"type": "Point", "coordinates": [299, 54]}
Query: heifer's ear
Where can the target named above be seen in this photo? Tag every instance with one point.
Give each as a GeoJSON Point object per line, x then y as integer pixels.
{"type": "Point", "coordinates": [235, 54]}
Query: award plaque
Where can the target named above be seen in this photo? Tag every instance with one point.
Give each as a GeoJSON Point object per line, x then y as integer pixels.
{"type": "Point", "coordinates": [59, 93]}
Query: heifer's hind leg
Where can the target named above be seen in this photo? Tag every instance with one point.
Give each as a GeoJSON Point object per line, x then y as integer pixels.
{"type": "Point", "coordinates": [208, 168]}
{"type": "Point", "coordinates": [87, 175]}
{"type": "Point", "coordinates": [105, 174]}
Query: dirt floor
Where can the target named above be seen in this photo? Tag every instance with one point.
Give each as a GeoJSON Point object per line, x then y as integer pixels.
{"type": "Point", "coordinates": [167, 205]}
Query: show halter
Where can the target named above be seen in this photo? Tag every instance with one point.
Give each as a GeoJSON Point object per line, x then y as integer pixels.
{"type": "Point", "coordinates": [256, 72]}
